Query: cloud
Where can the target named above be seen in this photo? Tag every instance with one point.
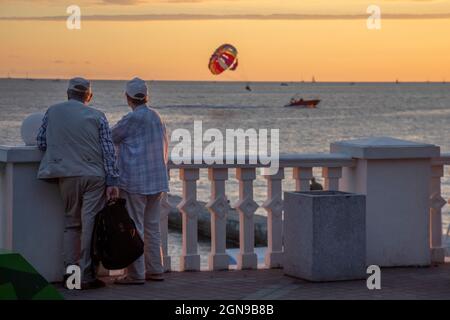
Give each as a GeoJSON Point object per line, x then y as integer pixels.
{"type": "Point", "coordinates": [136, 2]}
{"type": "Point", "coordinates": [58, 61]}
{"type": "Point", "coordinates": [105, 2]}
{"type": "Point", "coordinates": [168, 17]}
{"type": "Point", "coordinates": [122, 2]}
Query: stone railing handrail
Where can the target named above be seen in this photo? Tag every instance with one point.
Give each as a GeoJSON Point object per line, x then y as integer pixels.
{"type": "Point", "coordinates": [443, 160]}
{"type": "Point", "coordinates": [20, 154]}
{"type": "Point", "coordinates": [307, 160]}
{"type": "Point", "coordinates": [23, 154]}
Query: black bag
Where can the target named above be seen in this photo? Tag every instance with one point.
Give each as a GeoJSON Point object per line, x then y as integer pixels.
{"type": "Point", "coordinates": [115, 241]}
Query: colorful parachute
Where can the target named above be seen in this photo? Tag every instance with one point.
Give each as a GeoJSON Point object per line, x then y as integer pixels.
{"type": "Point", "coordinates": [224, 58]}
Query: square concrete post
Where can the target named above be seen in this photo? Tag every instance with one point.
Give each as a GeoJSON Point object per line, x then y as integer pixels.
{"type": "Point", "coordinates": [395, 176]}
{"type": "Point", "coordinates": [31, 212]}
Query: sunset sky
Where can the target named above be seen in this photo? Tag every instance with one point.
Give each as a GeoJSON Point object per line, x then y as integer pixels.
{"type": "Point", "coordinates": [277, 40]}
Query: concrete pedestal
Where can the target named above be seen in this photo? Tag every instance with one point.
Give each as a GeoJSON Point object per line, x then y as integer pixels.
{"type": "Point", "coordinates": [395, 175]}
{"type": "Point", "coordinates": [325, 236]}
{"type": "Point", "coordinates": [31, 212]}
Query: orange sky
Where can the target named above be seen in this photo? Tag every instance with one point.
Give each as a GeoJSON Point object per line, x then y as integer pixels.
{"type": "Point", "coordinates": [279, 50]}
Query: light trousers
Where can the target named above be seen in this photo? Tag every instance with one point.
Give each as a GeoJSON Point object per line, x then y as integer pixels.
{"type": "Point", "coordinates": [145, 210]}
{"type": "Point", "coordinates": [83, 198]}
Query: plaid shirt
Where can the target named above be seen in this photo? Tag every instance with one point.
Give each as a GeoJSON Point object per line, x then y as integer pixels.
{"type": "Point", "coordinates": [109, 157]}
{"type": "Point", "coordinates": [142, 143]}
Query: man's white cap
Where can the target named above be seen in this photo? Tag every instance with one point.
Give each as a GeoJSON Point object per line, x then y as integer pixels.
{"type": "Point", "coordinates": [137, 89]}
{"type": "Point", "coordinates": [79, 84]}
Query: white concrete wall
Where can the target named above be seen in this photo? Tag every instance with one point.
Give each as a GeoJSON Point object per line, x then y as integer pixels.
{"type": "Point", "coordinates": [31, 214]}
{"type": "Point", "coordinates": [4, 221]}
{"type": "Point", "coordinates": [397, 222]}
{"type": "Point", "coordinates": [395, 176]}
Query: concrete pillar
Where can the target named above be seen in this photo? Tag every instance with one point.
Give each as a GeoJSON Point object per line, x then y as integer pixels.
{"type": "Point", "coordinates": [31, 212]}
{"type": "Point", "coordinates": [395, 176]}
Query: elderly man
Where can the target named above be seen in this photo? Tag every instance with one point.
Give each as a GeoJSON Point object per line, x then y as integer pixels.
{"type": "Point", "coordinates": [79, 152]}
{"type": "Point", "coordinates": [142, 160]}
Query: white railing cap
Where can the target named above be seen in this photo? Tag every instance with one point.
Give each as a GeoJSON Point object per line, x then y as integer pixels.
{"type": "Point", "coordinates": [285, 160]}
{"type": "Point", "coordinates": [442, 160]}
{"type": "Point", "coordinates": [385, 148]}
{"type": "Point", "coordinates": [20, 154]}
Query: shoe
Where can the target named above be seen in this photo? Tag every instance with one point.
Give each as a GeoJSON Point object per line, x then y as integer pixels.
{"type": "Point", "coordinates": [154, 277]}
{"type": "Point", "coordinates": [94, 284]}
{"type": "Point", "coordinates": [128, 281]}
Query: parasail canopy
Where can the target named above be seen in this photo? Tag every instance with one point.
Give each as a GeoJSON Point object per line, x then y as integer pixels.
{"type": "Point", "coordinates": [224, 58]}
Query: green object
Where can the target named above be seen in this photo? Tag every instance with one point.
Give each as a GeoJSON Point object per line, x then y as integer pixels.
{"type": "Point", "coordinates": [20, 281]}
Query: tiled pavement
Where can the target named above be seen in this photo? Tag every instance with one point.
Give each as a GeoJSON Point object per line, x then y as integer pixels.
{"type": "Point", "coordinates": [396, 283]}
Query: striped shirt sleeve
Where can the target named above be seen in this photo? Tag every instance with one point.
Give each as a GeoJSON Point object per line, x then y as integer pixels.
{"type": "Point", "coordinates": [109, 156]}
{"type": "Point", "coordinates": [41, 138]}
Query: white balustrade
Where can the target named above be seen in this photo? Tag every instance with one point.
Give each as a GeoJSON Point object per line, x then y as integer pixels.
{"type": "Point", "coordinates": [246, 206]}
{"type": "Point", "coordinates": [334, 166]}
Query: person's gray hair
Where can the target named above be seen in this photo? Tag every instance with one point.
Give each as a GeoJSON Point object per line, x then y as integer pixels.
{"type": "Point", "coordinates": [79, 94]}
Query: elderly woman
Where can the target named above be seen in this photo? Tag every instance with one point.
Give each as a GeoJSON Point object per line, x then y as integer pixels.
{"type": "Point", "coordinates": [142, 145]}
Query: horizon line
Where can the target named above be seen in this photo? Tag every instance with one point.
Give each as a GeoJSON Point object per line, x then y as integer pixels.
{"type": "Point", "coordinates": [240, 81]}
{"type": "Point", "coordinates": [187, 17]}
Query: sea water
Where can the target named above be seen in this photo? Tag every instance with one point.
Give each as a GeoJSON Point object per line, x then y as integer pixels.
{"type": "Point", "coordinates": [412, 111]}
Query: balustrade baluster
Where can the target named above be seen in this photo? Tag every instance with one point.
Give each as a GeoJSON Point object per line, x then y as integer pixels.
{"type": "Point", "coordinates": [218, 207]}
{"type": "Point", "coordinates": [274, 208]}
{"type": "Point", "coordinates": [246, 207]}
{"type": "Point", "coordinates": [436, 205]}
{"type": "Point", "coordinates": [302, 178]}
{"type": "Point", "coordinates": [332, 176]}
{"type": "Point", "coordinates": [164, 230]}
{"type": "Point", "coordinates": [189, 207]}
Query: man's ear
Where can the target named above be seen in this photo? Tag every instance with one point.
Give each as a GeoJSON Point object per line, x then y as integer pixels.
{"type": "Point", "coordinates": [88, 97]}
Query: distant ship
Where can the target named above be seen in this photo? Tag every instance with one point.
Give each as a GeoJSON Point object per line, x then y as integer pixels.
{"type": "Point", "coordinates": [248, 88]}
{"type": "Point", "coordinates": [313, 80]}
{"type": "Point", "coordinates": [284, 84]}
